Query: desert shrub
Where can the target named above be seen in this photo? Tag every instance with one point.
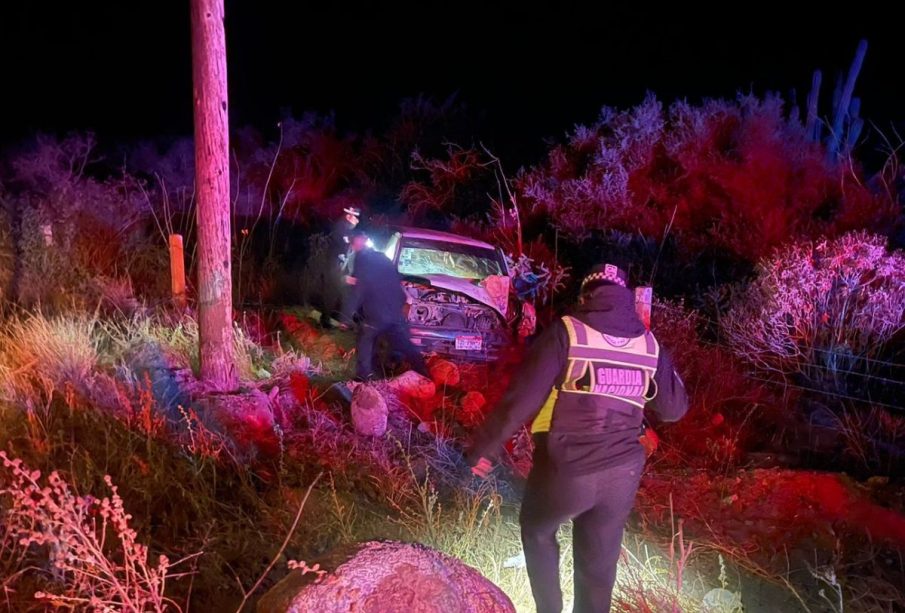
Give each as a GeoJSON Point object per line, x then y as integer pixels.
{"type": "Point", "coordinates": [823, 321]}
{"type": "Point", "coordinates": [85, 545]}
{"type": "Point", "coordinates": [733, 176]}
{"type": "Point", "coordinates": [818, 309]}
{"type": "Point", "coordinates": [73, 226]}
{"type": "Point", "coordinates": [450, 181]}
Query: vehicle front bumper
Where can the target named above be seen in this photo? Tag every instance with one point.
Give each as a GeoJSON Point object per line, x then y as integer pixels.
{"type": "Point", "coordinates": [443, 341]}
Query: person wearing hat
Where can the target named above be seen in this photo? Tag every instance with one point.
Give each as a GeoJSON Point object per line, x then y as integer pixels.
{"type": "Point", "coordinates": [376, 294]}
{"type": "Point", "coordinates": [584, 386]}
{"type": "Point", "coordinates": [339, 263]}
{"type": "Point", "coordinates": [342, 229]}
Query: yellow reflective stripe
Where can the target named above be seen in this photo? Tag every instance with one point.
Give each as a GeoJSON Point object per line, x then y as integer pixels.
{"type": "Point", "coordinates": [570, 328]}
{"type": "Point", "coordinates": [656, 352]}
{"type": "Point", "coordinates": [544, 419]}
{"type": "Point", "coordinates": [609, 361]}
{"type": "Point", "coordinates": [648, 379]}
{"type": "Point", "coordinates": [651, 383]}
{"type": "Point", "coordinates": [637, 347]}
{"type": "Point", "coordinates": [572, 379]}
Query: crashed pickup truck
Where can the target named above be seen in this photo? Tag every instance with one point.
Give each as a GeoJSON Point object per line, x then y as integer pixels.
{"type": "Point", "coordinates": [459, 301]}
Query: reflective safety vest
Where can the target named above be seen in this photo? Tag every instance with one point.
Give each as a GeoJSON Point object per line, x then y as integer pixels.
{"type": "Point", "coordinates": [604, 373]}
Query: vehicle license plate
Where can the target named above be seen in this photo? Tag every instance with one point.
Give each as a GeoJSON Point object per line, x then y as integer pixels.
{"type": "Point", "coordinates": [468, 343]}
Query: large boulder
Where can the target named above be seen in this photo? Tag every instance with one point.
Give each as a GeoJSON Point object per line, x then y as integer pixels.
{"type": "Point", "coordinates": [412, 385]}
{"type": "Point", "coordinates": [246, 419]}
{"type": "Point", "coordinates": [369, 411]}
{"type": "Point", "coordinates": [387, 577]}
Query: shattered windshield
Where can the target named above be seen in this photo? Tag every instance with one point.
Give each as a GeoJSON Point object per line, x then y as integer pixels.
{"type": "Point", "coordinates": [427, 257]}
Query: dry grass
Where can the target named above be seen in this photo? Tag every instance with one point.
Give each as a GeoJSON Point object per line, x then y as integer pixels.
{"type": "Point", "coordinates": [41, 353]}
{"type": "Point", "coordinates": [409, 485]}
{"type": "Point", "coordinates": [72, 347]}
{"type": "Point", "coordinates": [92, 549]}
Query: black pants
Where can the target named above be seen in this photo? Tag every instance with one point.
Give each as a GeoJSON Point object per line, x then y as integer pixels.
{"type": "Point", "coordinates": [397, 337]}
{"type": "Point", "coordinates": [598, 504]}
{"type": "Point", "coordinates": [332, 289]}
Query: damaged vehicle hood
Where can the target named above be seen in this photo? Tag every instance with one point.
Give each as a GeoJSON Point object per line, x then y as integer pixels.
{"type": "Point", "coordinates": [492, 291]}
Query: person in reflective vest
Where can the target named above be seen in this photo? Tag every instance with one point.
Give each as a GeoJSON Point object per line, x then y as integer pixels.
{"type": "Point", "coordinates": [584, 387]}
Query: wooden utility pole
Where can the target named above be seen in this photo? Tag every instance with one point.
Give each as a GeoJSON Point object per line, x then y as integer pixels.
{"type": "Point", "coordinates": [212, 188]}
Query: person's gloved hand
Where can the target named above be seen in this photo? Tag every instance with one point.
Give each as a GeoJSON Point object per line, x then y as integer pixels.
{"type": "Point", "coordinates": [482, 468]}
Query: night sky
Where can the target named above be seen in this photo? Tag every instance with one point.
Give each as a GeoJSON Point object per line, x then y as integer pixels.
{"type": "Point", "coordinates": [123, 69]}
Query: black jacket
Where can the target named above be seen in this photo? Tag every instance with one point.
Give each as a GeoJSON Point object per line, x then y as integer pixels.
{"type": "Point", "coordinates": [377, 292]}
{"type": "Point", "coordinates": [609, 309]}
{"type": "Point", "coordinates": [339, 238]}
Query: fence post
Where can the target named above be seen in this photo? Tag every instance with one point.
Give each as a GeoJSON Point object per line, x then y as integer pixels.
{"type": "Point", "coordinates": [177, 270]}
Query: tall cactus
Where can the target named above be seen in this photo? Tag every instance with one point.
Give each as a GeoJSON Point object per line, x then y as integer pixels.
{"type": "Point", "coordinates": [855, 125]}
{"type": "Point", "coordinates": [812, 123]}
{"type": "Point", "coordinates": [846, 122]}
